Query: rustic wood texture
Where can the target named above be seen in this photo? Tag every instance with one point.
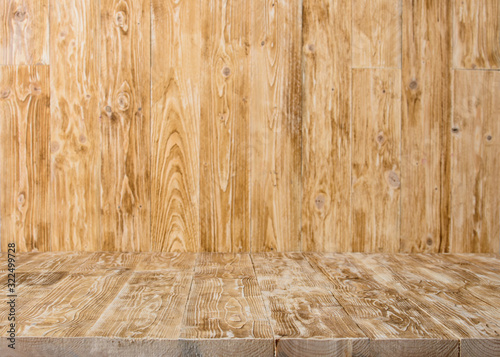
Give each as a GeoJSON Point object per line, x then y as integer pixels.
{"type": "Point", "coordinates": [276, 125]}
{"type": "Point", "coordinates": [475, 200]}
{"type": "Point", "coordinates": [376, 141]}
{"type": "Point", "coordinates": [224, 155]}
{"type": "Point", "coordinates": [24, 32]}
{"type": "Point", "coordinates": [376, 33]}
{"type": "Point", "coordinates": [476, 34]}
{"type": "Point", "coordinates": [74, 125]}
{"type": "Point", "coordinates": [426, 109]}
{"type": "Point", "coordinates": [24, 157]}
{"type": "Point", "coordinates": [125, 125]}
{"type": "Point", "coordinates": [175, 56]}
{"type": "Point", "coordinates": [326, 125]}
{"type": "Point", "coordinates": [266, 304]}
{"type": "Point", "coordinates": [251, 126]}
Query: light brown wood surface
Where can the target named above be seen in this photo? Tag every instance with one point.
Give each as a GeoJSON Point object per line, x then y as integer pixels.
{"type": "Point", "coordinates": [475, 203]}
{"type": "Point", "coordinates": [250, 126]}
{"type": "Point", "coordinates": [24, 157]}
{"type": "Point", "coordinates": [284, 304]}
{"type": "Point", "coordinates": [476, 34]}
{"type": "Point", "coordinates": [326, 125]}
{"type": "Point", "coordinates": [74, 125]}
{"type": "Point", "coordinates": [376, 33]}
{"type": "Point", "coordinates": [24, 32]}
{"type": "Point", "coordinates": [175, 83]}
{"type": "Point", "coordinates": [376, 142]}
{"type": "Point", "coordinates": [425, 126]}
{"type": "Point", "coordinates": [125, 125]}
{"type": "Point", "coordinates": [276, 130]}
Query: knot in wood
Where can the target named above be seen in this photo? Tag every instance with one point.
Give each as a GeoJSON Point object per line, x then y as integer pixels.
{"type": "Point", "coordinates": [413, 85]}
{"type": "Point", "coordinates": [108, 109]}
{"type": "Point", "coordinates": [82, 138]}
{"type": "Point", "coordinates": [489, 137]}
{"type": "Point", "coordinates": [121, 20]}
{"type": "Point", "coordinates": [380, 138]}
{"type": "Point", "coordinates": [319, 201]}
{"type": "Point", "coordinates": [393, 179]}
{"type": "Point", "coordinates": [123, 101]}
{"type": "Point", "coordinates": [429, 241]}
{"type": "Point", "coordinates": [226, 71]}
{"type": "Point", "coordinates": [311, 47]}
{"type": "Point", "coordinates": [20, 15]}
{"type": "Point", "coordinates": [54, 147]}
{"type": "Point", "coordinates": [455, 130]}
{"type": "Point", "coordinates": [35, 89]}
{"type": "Point", "coordinates": [4, 93]}
{"type": "Point", "coordinates": [20, 199]}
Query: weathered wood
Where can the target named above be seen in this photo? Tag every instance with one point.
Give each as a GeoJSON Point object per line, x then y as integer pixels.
{"type": "Point", "coordinates": [165, 261]}
{"type": "Point", "coordinates": [276, 89]}
{"type": "Point", "coordinates": [125, 125]}
{"type": "Point", "coordinates": [326, 123]}
{"type": "Point", "coordinates": [24, 32]}
{"type": "Point", "coordinates": [391, 321]}
{"type": "Point", "coordinates": [376, 140]}
{"type": "Point", "coordinates": [74, 125]}
{"type": "Point", "coordinates": [475, 163]}
{"type": "Point", "coordinates": [225, 302]}
{"type": "Point", "coordinates": [175, 56]}
{"type": "Point", "coordinates": [224, 155]}
{"type": "Point", "coordinates": [24, 157]}
{"type": "Point", "coordinates": [302, 310]}
{"type": "Point", "coordinates": [476, 34]}
{"type": "Point", "coordinates": [426, 135]}
{"type": "Point", "coordinates": [376, 33]}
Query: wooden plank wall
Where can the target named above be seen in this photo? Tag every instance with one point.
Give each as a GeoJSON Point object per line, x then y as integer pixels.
{"type": "Point", "coordinates": [238, 125]}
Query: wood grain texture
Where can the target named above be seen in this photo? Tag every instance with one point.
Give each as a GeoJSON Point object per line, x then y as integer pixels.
{"type": "Point", "coordinates": [326, 165]}
{"type": "Point", "coordinates": [175, 56]}
{"type": "Point", "coordinates": [305, 317]}
{"type": "Point", "coordinates": [125, 125]}
{"type": "Point", "coordinates": [24, 32]}
{"type": "Point", "coordinates": [276, 93]}
{"type": "Point", "coordinates": [224, 155]}
{"type": "Point", "coordinates": [24, 157]}
{"type": "Point", "coordinates": [376, 33]}
{"type": "Point", "coordinates": [225, 301]}
{"type": "Point", "coordinates": [476, 34]}
{"type": "Point", "coordinates": [74, 125]}
{"type": "Point", "coordinates": [426, 109]}
{"type": "Point", "coordinates": [391, 321]}
{"type": "Point", "coordinates": [376, 140]}
{"type": "Point", "coordinates": [475, 164]}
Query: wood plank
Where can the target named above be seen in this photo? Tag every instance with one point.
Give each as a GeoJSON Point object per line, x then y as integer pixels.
{"type": "Point", "coordinates": [391, 321]}
{"type": "Point", "coordinates": [326, 165]}
{"type": "Point", "coordinates": [446, 299]}
{"type": "Point", "coordinates": [175, 175]}
{"type": "Point", "coordinates": [376, 140]}
{"type": "Point", "coordinates": [24, 32]}
{"type": "Point", "coordinates": [426, 129]}
{"type": "Point", "coordinates": [101, 261]}
{"type": "Point", "coordinates": [376, 33]}
{"type": "Point", "coordinates": [476, 34]}
{"type": "Point", "coordinates": [225, 308]}
{"type": "Point", "coordinates": [74, 127]}
{"type": "Point", "coordinates": [276, 92]}
{"type": "Point", "coordinates": [125, 125]}
{"type": "Point", "coordinates": [165, 261]}
{"type": "Point", "coordinates": [224, 180]}
{"type": "Point", "coordinates": [53, 262]}
{"type": "Point", "coordinates": [474, 347]}
{"type": "Point", "coordinates": [154, 302]}
{"type": "Point", "coordinates": [305, 317]}
{"type": "Point", "coordinates": [475, 163]}
{"type": "Point", "coordinates": [72, 306]}
{"type": "Point", "coordinates": [24, 157]}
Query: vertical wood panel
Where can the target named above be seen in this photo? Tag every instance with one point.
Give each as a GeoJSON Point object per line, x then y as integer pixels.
{"type": "Point", "coordinates": [24, 32]}
{"type": "Point", "coordinates": [75, 139]}
{"type": "Point", "coordinates": [225, 180]}
{"type": "Point", "coordinates": [125, 125]}
{"type": "Point", "coordinates": [376, 140]}
{"type": "Point", "coordinates": [475, 209]}
{"type": "Point", "coordinates": [426, 81]}
{"type": "Point", "coordinates": [476, 34]}
{"type": "Point", "coordinates": [326, 164]}
{"type": "Point", "coordinates": [276, 125]}
{"type": "Point", "coordinates": [175, 48]}
{"type": "Point", "coordinates": [24, 157]}
{"type": "Point", "coordinates": [376, 33]}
